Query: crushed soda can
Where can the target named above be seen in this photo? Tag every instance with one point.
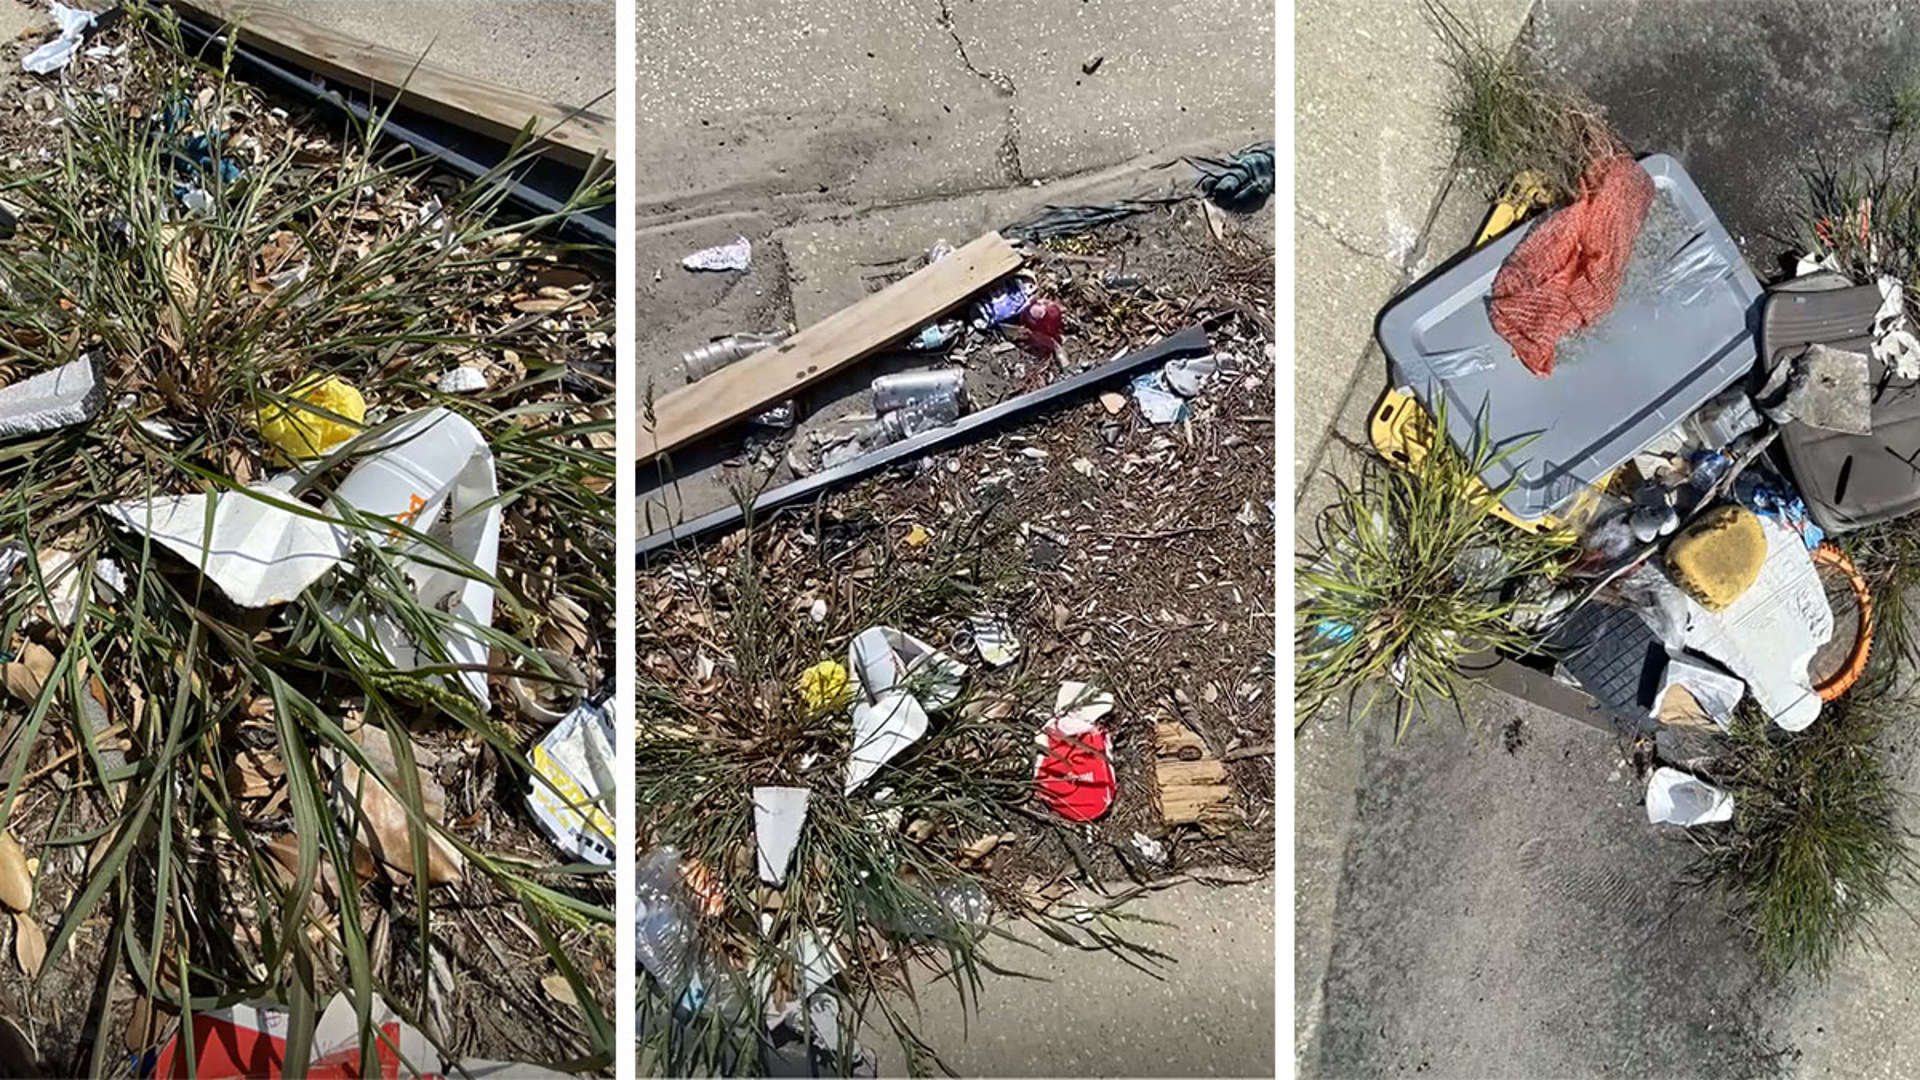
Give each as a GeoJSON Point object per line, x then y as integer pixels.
{"type": "Point", "coordinates": [705, 360]}
{"type": "Point", "coordinates": [906, 388]}
{"type": "Point", "coordinates": [918, 416]}
{"type": "Point", "coordinates": [1004, 303]}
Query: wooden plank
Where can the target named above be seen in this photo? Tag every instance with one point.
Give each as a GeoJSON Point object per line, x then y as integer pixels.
{"type": "Point", "coordinates": [1172, 739]}
{"type": "Point", "coordinates": [568, 135]}
{"type": "Point", "coordinates": [850, 334]}
{"type": "Point", "coordinates": [1172, 772]}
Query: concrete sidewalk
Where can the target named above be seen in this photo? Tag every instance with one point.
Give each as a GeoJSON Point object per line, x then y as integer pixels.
{"type": "Point", "coordinates": [561, 50]}
{"type": "Point", "coordinates": [1376, 204]}
{"type": "Point", "coordinates": [1209, 1013]}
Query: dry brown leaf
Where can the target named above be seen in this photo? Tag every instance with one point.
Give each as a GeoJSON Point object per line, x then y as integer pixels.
{"type": "Point", "coordinates": [1040, 896]}
{"type": "Point", "coordinates": [571, 618]}
{"type": "Point", "coordinates": [254, 774]}
{"type": "Point", "coordinates": [274, 256]}
{"type": "Point", "coordinates": [29, 944]}
{"type": "Point", "coordinates": [16, 881]}
{"type": "Point", "coordinates": [382, 825]}
{"type": "Point", "coordinates": [99, 852]}
{"type": "Point", "coordinates": [983, 847]}
{"type": "Point", "coordinates": [240, 465]}
{"type": "Point", "coordinates": [560, 277]}
{"type": "Point", "coordinates": [18, 1055]}
{"type": "Point", "coordinates": [541, 306]}
{"type": "Point", "coordinates": [144, 1022]}
{"type": "Point", "coordinates": [28, 673]}
{"type": "Point", "coordinates": [137, 709]}
{"type": "Point", "coordinates": [183, 276]}
{"type": "Point", "coordinates": [560, 990]}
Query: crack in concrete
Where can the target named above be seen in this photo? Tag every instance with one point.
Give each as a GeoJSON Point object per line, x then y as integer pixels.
{"type": "Point", "coordinates": [1002, 83]}
{"type": "Point", "coordinates": [1333, 233]}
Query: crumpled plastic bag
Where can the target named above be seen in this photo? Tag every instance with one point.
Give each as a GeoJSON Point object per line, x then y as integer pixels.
{"type": "Point", "coordinates": [58, 53]}
{"type": "Point", "coordinates": [1674, 798]}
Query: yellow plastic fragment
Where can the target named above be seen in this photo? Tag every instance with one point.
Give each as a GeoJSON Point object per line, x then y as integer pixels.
{"type": "Point", "coordinates": [306, 433]}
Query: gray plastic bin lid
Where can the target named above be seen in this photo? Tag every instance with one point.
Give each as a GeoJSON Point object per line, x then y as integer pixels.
{"type": "Point", "coordinates": [1677, 336]}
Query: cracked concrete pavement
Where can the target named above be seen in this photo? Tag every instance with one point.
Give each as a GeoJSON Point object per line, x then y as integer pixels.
{"type": "Point", "coordinates": [841, 136]}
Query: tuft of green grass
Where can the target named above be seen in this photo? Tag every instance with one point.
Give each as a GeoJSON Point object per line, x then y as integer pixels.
{"type": "Point", "coordinates": [1510, 117]}
{"type": "Point", "coordinates": [1817, 845]}
{"type": "Point", "coordinates": [109, 262]}
{"type": "Point", "coordinates": [1407, 575]}
{"type": "Point", "coordinates": [1888, 558]}
{"type": "Point", "coordinates": [879, 873]}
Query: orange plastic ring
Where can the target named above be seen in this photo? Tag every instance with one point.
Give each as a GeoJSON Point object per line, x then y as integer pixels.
{"type": "Point", "coordinates": [1842, 681]}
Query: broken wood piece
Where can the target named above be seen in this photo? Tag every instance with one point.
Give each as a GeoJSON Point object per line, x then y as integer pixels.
{"type": "Point", "coordinates": [853, 333]}
{"type": "Point", "coordinates": [1176, 773]}
{"type": "Point", "coordinates": [574, 136]}
{"type": "Point", "coordinates": [1173, 739]}
{"type": "Point", "coordinates": [1193, 792]}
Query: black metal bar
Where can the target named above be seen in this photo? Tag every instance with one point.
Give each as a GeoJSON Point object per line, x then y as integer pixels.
{"type": "Point", "coordinates": [1189, 342]}
{"type": "Point", "coordinates": [596, 227]}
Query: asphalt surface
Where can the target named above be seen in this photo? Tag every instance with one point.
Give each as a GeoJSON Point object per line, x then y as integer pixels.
{"type": "Point", "coordinates": [1466, 910]}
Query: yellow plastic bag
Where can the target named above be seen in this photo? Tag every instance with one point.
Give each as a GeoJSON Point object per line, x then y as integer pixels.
{"type": "Point", "coordinates": [825, 686]}
{"type": "Point", "coordinates": [303, 433]}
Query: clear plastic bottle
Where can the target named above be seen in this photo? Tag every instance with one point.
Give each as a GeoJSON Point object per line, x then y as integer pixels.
{"type": "Point", "coordinates": [665, 938]}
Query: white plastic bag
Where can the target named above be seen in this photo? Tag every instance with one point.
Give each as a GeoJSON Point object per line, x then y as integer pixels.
{"type": "Point", "coordinates": [1675, 798]}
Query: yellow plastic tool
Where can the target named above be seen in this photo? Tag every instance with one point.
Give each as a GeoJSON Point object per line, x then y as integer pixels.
{"type": "Point", "coordinates": [1402, 431]}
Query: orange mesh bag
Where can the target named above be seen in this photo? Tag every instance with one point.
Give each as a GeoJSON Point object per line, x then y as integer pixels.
{"type": "Point", "coordinates": [1567, 271]}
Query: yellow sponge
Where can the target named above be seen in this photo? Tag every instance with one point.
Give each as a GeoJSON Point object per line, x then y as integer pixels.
{"type": "Point", "coordinates": [1717, 558]}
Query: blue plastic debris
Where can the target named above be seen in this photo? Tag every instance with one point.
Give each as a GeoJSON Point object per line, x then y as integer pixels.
{"type": "Point", "coordinates": [1004, 304]}
{"type": "Point", "coordinates": [1766, 494]}
{"type": "Point", "coordinates": [1155, 401]}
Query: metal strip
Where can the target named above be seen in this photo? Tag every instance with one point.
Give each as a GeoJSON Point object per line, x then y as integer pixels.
{"type": "Point", "coordinates": [1189, 342]}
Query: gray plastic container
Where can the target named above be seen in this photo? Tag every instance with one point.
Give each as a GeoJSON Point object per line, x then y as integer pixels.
{"type": "Point", "coordinates": [1672, 341]}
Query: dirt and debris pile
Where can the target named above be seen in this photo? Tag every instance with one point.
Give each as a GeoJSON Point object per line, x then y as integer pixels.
{"type": "Point", "coordinates": [958, 665]}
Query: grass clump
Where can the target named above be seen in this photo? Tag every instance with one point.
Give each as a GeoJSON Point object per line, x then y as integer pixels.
{"type": "Point", "coordinates": [1863, 218]}
{"type": "Point", "coordinates": [1510, 117]}
{"type": "Point", "coordinates": [298, 255]}
{"type": "Point", "coordinates": [1407, 576]}
{"type": "Point", "coordinates": [1817, 847]}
